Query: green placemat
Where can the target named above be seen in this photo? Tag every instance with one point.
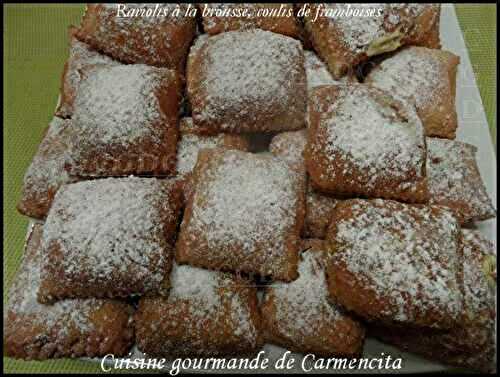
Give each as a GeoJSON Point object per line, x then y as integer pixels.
{"type": "Point", "coordinates": [35, 49]}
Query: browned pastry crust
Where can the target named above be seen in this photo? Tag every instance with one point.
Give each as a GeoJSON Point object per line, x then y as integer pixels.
{"type": "Point", "coordinates": [299, 317]}
{"type": "Point", "coordinates": [427, 78]}
{"type": "Point", "coordinates": [80, 57]}
{"type": "Point", "coordinates": [161, 41]}
{"type": "Point", "coordinates": [363, 142]}
{"type": "Point", "coordinates": [395, 263]}
{"type": "Point", "coordinates": [247, 81]}
{"type": "Point", "coordinates": [276, 17]}
{"type": "Point", "coordinates": [207, 314]}
{"type": "Point", "coordinates": [191, 142]}
{"type": "Point", "coordinates": [125, 122]}
{"type": "Point", "coordinates": [110, 238]}
{"type": "Point", "coordinates": [319, 212]}
{"type": "Point", "coordinates": [70, 328]}
{"type": "Point", "coordinates": [455, 182]}
{"type": "Point", "coordinates": [46, 172]}
{"type": "Point", "coordinates": [290, 146]}
{"type": "Point", "coordinates": [472, 343]}
{"type": "Point", "coordinates": [246, 214]}
{"type": "Point", "coordinates": [343, 41]}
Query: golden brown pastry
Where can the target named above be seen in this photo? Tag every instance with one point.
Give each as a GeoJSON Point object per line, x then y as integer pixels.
{"type": "Point", "coordinates": [246, 214]}
{"type": "Point", "coordinates": [363, 142]}
{"type": "Point", "coordinates": [207, 314]}
{"type": "Point", "coordinates": [125, 122]}
{"type": "Point", "coordinates": [471, 344]}
{"type": "Point", "coordinates": [276, 17]}
{"type": "Point", "coordinates": [191, 143]}
{"type": "Point", "coordinates": [81, 56]}
{"type": "Point", "coordinates": [126, 32]}
{"type": "Point", "coordinates": [455, 182]}
{"type": "Point", "coordinates": [69, 328]}
{"type": "Point", "coordinates": [290, 147]}
{"type": "Point", "coordinates": [46, 172]}
{"type": "Point", "coordinates": [247, 81]}
{"type": "Point", "coordinates": [298, 316]}
{"type": "Point", "coordinates": [427, 78]}
{"type": "Point", "coordinates": [345, 34]}
{"type": "Point", "coordinates": [110, 238]}
{"type": "Point", "coordinates": [395, 263]}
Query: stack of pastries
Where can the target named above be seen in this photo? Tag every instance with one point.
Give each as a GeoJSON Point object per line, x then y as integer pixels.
{"type": "Point", "coordinates": [204, 189]}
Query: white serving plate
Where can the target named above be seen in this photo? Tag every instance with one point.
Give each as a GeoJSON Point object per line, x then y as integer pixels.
{"type": "Point", "coordinates": [473, 129]}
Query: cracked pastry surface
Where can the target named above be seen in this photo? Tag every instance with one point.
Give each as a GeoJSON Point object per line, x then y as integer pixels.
{"type": "Point", "coordinates": [110, 238]}
{"type": "Point", "coordinates": [68, 328]}
{"type": "Point", "coordinates": [344, 41]}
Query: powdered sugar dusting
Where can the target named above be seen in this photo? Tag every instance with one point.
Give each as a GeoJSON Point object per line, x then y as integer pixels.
{"type": "Point", "coordinates": [365, 25]}
{"type": "Point", "coordinates": [46, 171]}
{"type": "Point", "coordinates": [317, 73]}
{"type": "Point", "coordinates": [249, 198]}
{"type": "Point", "coordinates": [61, 316]}
{"type": "Point", "coordinates": [111, 226]}
{"type": "Point", "coordinates": [249, 68]}
{"type": "Point", "coordinates": [479, 273]}
{"type": "Point", "coordinates": [404, 253]}
{"type": "Point", "coordinates": [190, 144]}
{"type": "Point", "coordinates": [80, 57]}
{"type": "Point", "coordinates": [290, 147]}
{"type": "Point", "coordinates": [245, 209]}
{"type": "Point", "coordinates": [413, 74]}
{"type": "Point", "coordinates": [146, 35]}
{"type": "Point", "coordinates": [454, 179]}
{"type": "Point", "coordinates": [302, 305]}
{"type": "Point", "coordinates": [365, 128]}
{"type": "Point", "coordinates": [118, 105]}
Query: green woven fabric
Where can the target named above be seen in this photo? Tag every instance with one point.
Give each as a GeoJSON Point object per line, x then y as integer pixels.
{"type": "Point", "coordinates": [35, 40]}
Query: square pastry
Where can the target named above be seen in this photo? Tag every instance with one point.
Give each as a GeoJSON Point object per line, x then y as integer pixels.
{"type": "Point", "coordinates": [69, 328]}
{"type": "Point", "coordinates": [298, 315]}
{"type": "Point", "coordinates": [427, 78]}
{"type": "Point", "coordinates": [46, 172]}
{"type": "Point", "coordinates": [247, 81]}
{"type": "Point", "coordinates": [245, 215]}
{"type": "Point", "coordinates": [472, 343]}
{"type": "Point", "coordinates": [207, 314]}
{"type": "Point", "coordinates": [110, 238]}
{"type": "Point", "coordinates": [396, 263]}
{"type": "Point", "coordinates": [222, 17]}
{"type": "Point", "coordinates": [125, 122]}
{"type": "Point", "coordinates": [81, 56]}
{"type": "Point", "coordinates": [290, 146]}
{"type": "Point", "coordinates": [345, 35]}
{"type": "Point", "coordinates": [363, 142]}
{"type": "Point", "coordinates": [153, 34]}
{"type": "Point", "coordinates": [191, 143]}
{"type": "Point", "coordinates": [455, 182]}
